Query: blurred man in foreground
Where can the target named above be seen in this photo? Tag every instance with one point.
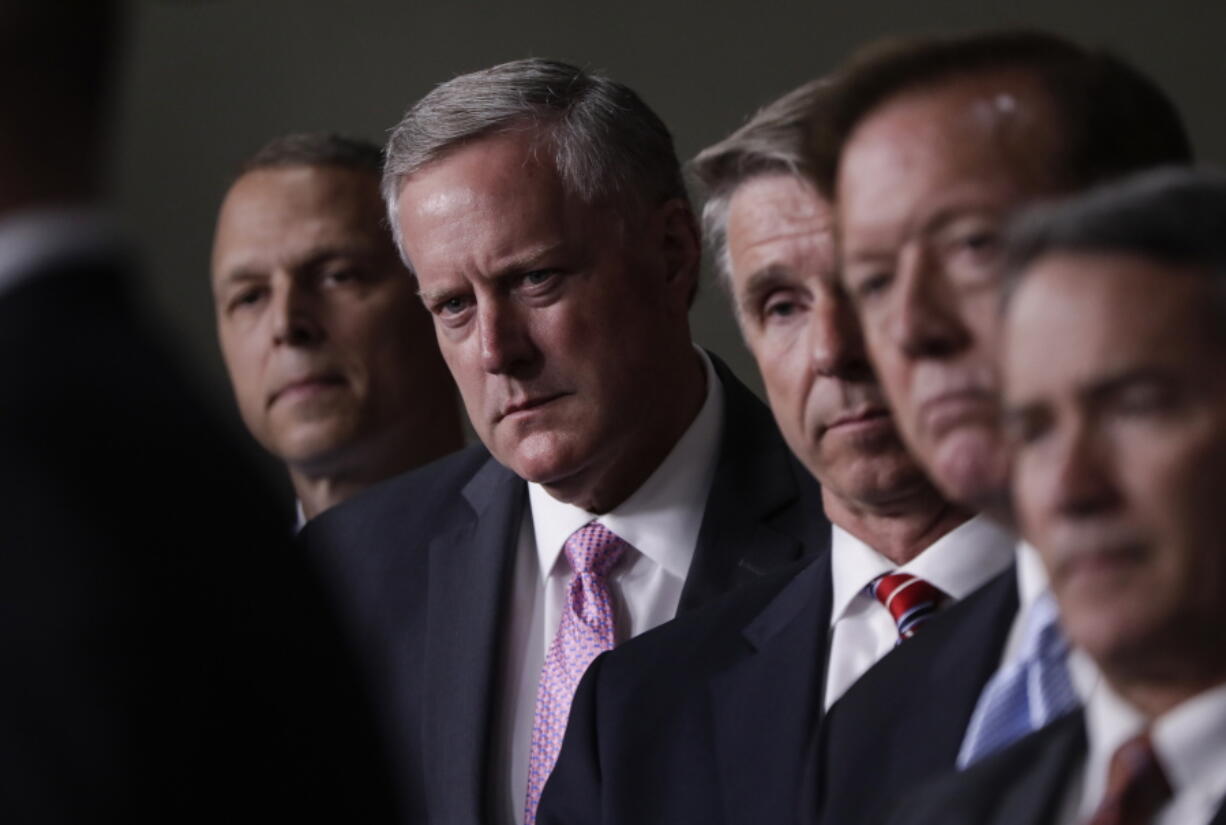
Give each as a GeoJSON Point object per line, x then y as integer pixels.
{"type": "Point", "coordinates": [168, 658]}
{"type": "Point", "coordinates": [1119, 467]}
{"type": "Point", "coordinates": [939, 140]}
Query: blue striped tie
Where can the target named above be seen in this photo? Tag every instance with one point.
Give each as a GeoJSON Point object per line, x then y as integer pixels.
{"type": "Point", "coordinates": [1026, 694]}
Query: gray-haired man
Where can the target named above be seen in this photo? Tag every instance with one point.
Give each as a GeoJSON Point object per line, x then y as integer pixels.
{"type": "Point", "coordinates": [625, 475]}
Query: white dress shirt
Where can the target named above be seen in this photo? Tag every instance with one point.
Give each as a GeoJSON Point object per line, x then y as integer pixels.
{"type": "Point", "coordinates": [862, 630]}
{"type": "Point", "coordinates": [33, 240]}
{"type": "Point", "coordinates": [1188, 740]}
{"type": "Point", "coordinates": [660, 521]}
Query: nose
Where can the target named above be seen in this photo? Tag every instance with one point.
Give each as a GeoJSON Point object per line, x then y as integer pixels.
{"type": "Point", "coordinates": [506, 343]}
{"type": "Point", "coordinates": [1079, 476]}
{"type": "Point", "coordinates": [835, 341]}
{"type": "Point", "coordinates": [295, 318]}
{"type": "Point", "coordinates": [926, 322]}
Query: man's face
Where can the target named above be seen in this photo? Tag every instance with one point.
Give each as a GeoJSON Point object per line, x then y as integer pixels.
{"type": "Point", "coordinates": [925, 183]}
{"type": "Point", "coordinates": [801, 329]}
{"type": "Point", "coordinates": [1115, 396]}
{"type": "Point", "coordinates": [326, 344]}
{"type": "Point", "coordinates": [556, 317]}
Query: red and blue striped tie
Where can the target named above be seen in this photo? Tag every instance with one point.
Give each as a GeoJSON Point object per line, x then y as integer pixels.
{"type": "Point", "coordinates": [910, 600]}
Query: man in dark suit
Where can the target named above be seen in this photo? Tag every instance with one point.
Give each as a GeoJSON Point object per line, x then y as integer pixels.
{"type": "Point", "coordinates": [711, 718]}
{"type": "Point", "coordinates": [938, 141]}
{"type": "Point", "coordinates": [331, 357]}
{"type": "Point", "coordinates": [625, 475]}
{"type": "Point", "coordinates": [1119, 465]}
{"type": "Point", "coordinates": [168, 657]}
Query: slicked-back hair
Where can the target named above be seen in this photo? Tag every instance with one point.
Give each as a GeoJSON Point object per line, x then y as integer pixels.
{"type": "Point", "coordinates": [1173, 216]}
{"type": "Point", "coordinates": [1115, 120]}
{"type": "Point", "coordinates": [608, 147]}
{"type": "Point", "coordinates": [780, 138]}
{"type": "Point", "coordinates": [316, 149]}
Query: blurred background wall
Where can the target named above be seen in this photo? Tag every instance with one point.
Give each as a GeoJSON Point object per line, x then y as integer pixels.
{"type": "Point", "coordinates": [207, 81]}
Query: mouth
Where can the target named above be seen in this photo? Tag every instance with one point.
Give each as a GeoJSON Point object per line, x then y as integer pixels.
{"type": "Point", "coordinates": [857, 419]}
{"type": "Point", "coordinates": [951, 410]}
{"type": "Point", "coordinates": [306, 387]}
{"type": "Point", "coordinates": [527, 405]}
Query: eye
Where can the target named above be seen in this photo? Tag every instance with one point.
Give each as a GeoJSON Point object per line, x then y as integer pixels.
{"type": "Point", "coordinates": [781, 305]}
{"type": "Point", "coordinates": [871, 285]}
{"type": "Point", "coordinates": [247, 297]}
{"type": "Point", "coordinates": [1026, 427]}
{"type": "Point", "coordinates": [1140, 398]}
{"type": "Point", "coordinates": [343, 275]}
{"type": "Point", "coordinates": [452, 306]}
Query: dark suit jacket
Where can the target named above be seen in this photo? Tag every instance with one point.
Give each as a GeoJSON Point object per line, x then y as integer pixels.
{"type": "Point", "coordinates": [167, 657]}
{"type": "Point", "coordinates": [706, 719]}
{"type": "Point", "coordinates": [904, 720]}
{"type": "Point", "coordinates": [718, 718]}
{"type": "Point", "coordinates": [1022, 785]}
{"type": "Point", "coordinates": [425, 560]}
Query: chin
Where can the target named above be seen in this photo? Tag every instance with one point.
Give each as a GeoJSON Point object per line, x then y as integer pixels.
{"type": "Point", "coordinates": [970, 469]}
{"type": "Point", "coordinates": [542, 458]}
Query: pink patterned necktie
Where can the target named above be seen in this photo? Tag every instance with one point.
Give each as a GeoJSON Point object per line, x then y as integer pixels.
{"type": "Point", "coordinates": [585, 631]}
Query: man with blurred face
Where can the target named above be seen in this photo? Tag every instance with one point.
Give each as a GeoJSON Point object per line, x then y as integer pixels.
{"type": "Point", "coordinates": [1119, 468]}
{"type": "Point", "coordinates": [333, 363]}
{"type": "Point", "coordinates": [772, 238]}
{"type": "Point", "coordinates": [624, 474]}
{"type": "Point", "coordinates": [168, 656]}
{"type": "Point", "coordinates": [940, 141]}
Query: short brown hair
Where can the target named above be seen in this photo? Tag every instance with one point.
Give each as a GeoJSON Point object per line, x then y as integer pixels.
{"type": "Point", "coordinates": [316, 149]}
{"type": "Point", "coordinates": [1116, 120]}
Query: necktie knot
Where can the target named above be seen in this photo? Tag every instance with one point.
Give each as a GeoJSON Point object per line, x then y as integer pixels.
{"type": "Point", "coordinates": [910, 600]}
{"type": "Point", "coordinates": [593, 550]}
{"type": "Point", "coordinates": [1136, 785]}
{"type": "Point", "coordinates": [1043, 638]}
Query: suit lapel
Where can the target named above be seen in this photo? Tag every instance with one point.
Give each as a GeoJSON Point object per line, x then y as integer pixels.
{"type": "Point", "coordinates": [469, 570]}
{"type": "Point", "coordinates": [1042, 780]}
{"type": "Point", "coordinates": [763, 510]}
{"type": "Point", "coordinates": [898, 737]}
{"type": "Point", "coordinates": [764, 706]}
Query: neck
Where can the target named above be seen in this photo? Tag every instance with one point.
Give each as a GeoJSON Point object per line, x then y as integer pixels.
{"type": "Point", "coordinates": [323, 484]}
{"type": "Point", "coordinates": [1164, 685]}
{"type": "Point", "coordinates": [900, 531]}
{"type": "Point", "coordinates": [632, 463]}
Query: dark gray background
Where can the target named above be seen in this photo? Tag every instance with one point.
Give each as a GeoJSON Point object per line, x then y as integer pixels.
{"type": "Point", "coordinates": [207, 81]}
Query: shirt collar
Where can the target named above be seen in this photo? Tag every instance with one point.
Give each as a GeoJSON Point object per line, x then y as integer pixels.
{"type": "Point", "coordinates": [957, 563]}
{"type": "Point", "coordinates": [662, 517]}
{"type": "Point", "coordinates": [30, 241]}
{"type": "Point", "coordinates": [1188, 739]}
{"type": "Point", "coordinates": [1032, 579]}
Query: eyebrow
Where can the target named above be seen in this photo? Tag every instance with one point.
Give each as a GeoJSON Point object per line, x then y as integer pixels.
{"type": "Point", "coordinates": [772, 276]}
{"type": "Point", "coordinates": [318, 256]}
{"type": "Point", "coordinates": [511, 267]}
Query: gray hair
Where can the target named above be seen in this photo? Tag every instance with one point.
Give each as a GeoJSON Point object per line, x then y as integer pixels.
{"type": "Point", "coordinates": [606, 144]}
{"type": "Point", "coordinates": [1172, 215]}
{"type": "Point", "coordinates": [775, 140]}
